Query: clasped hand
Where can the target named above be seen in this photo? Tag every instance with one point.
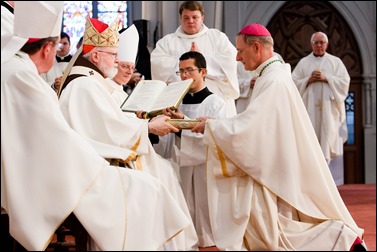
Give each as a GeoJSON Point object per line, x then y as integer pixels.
{"type": "Point", "coordinates": [316, 76]}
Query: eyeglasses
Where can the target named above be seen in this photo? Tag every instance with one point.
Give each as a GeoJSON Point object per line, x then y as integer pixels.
{"type": "Point", "coordinates": [187, 71]}
{"type": "Point", "coordinates": [318, 42]}
{"type": "Point", "coordinates": [124, 67]}
{"type": "Point", "coordinates": [111, 53]}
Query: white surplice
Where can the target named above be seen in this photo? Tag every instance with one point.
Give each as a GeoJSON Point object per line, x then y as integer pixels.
{"type": "Point", "coordinates": [48, 171]}
{"type": "Point", "coordinates": [90, 108]}
{"type": "Point", "coordinates": [190, 153]}
{"type": "Point", "coordinates": [269, 184]}
{"type": "Point", "coordinates": [220, 55]}
{"type": "Point", "coordinates": [325, 104]}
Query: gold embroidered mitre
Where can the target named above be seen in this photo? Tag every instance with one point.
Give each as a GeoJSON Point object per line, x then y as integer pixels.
{"type": "Point", "coordinates": [100, 34]}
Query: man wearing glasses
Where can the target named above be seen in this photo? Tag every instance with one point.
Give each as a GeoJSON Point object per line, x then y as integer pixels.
{"type": "Point", "coordinates": [323, 82]}
{"type": "Point", "coordinates": [194, 35]}
{"type": "Point", "coordinates": [90, 107]}
{"type": "Point", "coordinates": [190, 150]}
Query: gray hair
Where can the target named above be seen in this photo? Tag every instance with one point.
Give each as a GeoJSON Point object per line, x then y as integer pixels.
{"type": "Point", "coordinates": [264, 40]}
{"type": "Point", "coordinates": [323, 34]}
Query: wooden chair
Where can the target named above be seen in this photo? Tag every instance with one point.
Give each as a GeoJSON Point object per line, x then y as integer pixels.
{"type": "Point", "coordinates": [70, 227]}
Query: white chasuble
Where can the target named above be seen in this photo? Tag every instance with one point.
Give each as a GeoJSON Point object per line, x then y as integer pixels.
{"type": "Point", "coordinates": [274, 190]}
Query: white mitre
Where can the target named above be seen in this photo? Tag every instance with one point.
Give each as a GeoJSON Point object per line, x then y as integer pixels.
{"type": "Point", "coordinates": [128, 44]}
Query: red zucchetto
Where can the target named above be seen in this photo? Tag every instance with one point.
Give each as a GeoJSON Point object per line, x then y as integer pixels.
{"type": "Point", "coordinates": [255, 30]}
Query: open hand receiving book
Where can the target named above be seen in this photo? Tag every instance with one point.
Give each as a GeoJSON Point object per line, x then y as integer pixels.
{"type": "Point", "coordinates": [152, 96]}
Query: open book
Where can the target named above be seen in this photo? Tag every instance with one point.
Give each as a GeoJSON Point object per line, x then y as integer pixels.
{"type": "Point", "coordinates": [152, 96]}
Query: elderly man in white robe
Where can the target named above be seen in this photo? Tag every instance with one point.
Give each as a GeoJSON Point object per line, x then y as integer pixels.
{"type": "Point", "coordinates": [49, 172]}
{"type": "Point", "coordinates": [323, 82]}
{"type": "Point", "coordinates": [269, 186]}
{"type": "Point", "coordinates": [110, 130]}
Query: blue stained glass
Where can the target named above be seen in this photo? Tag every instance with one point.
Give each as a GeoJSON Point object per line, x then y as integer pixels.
{"type": "Point", "coordinates": [350, 117]}
{"type": "Point", "coordinates": [74, 18]}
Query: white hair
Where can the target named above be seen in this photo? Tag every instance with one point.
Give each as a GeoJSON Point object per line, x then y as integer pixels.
{"type": "Point", "coordinates": [323, 34]}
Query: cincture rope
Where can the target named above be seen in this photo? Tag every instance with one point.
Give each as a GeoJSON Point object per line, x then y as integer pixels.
{"type": "Point", "coordinates": [137, 161]}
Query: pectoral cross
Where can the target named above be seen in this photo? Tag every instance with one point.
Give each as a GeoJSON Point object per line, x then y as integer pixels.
{"type": "Point", "coordinates": [319, 104]}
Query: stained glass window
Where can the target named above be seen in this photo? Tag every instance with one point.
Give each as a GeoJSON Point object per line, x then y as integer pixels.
{"type": "Point", "coordinates": [109, 10]}
{"type": "Point", "coordinates": [76, 12]}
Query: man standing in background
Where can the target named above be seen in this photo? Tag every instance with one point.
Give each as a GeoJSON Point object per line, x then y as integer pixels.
{"type": "Point", "coordinates": [323, 82]}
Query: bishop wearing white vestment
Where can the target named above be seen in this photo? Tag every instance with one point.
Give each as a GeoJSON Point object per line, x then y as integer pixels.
{"type": "Point", "coordinates": [267, 172]}
{"type": "Point", "coordinates": [269, 186]}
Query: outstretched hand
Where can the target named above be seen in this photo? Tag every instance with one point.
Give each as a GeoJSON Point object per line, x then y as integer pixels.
{"type": "Point", "coordinates": [158, 126]}
{"type": "Point", "coordinates": [200, 127]}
